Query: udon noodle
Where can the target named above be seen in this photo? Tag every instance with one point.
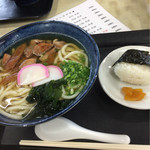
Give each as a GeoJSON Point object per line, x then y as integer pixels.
{"type": "Point", "coordinates": [70, 52]}
{"type": "Point", "coordinates": [13, 103]}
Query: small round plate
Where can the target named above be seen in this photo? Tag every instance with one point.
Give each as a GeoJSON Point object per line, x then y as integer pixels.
{"type": "Point", "coordinates": [112, 85]}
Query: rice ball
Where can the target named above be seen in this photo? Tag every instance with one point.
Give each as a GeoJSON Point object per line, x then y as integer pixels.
{"type": "Point", "coordinates": [133, 73]}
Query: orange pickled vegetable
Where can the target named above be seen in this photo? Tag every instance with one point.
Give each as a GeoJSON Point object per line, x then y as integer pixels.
{"type": "Point", "coordinates": [131, 94]}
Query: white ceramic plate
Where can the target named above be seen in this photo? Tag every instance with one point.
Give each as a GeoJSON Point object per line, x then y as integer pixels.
{"type": "Point", "coordinates": [112, 85]}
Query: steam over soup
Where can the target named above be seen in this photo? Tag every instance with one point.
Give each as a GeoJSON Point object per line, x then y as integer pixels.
{"type": "Point", "coordinates": [27, 91]}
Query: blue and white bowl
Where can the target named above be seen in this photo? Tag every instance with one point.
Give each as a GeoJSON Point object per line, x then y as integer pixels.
{"type": "Point", "coordinates": [60, 30]}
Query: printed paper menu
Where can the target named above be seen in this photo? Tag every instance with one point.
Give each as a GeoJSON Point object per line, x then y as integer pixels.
{"type": "Point", "coordinates": [91, 17]}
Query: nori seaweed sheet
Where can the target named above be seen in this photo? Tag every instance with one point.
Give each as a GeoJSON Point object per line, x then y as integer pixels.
{"type": "Point", "coordinates": [135, 57]}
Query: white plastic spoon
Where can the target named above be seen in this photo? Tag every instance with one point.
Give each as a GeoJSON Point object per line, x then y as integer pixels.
{"type": "Point", "coordinates": [62, 129]}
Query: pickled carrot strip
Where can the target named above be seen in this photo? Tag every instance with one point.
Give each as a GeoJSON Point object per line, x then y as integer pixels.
{"type": "Point", "coordinates": [131, 94]}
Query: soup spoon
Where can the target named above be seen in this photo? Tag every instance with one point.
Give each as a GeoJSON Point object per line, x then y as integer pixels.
{"type": "Point", "coordinates": [62, 129]}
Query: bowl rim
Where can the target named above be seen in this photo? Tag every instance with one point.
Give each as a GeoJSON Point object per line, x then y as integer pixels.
{"type": "Point", "coordinates": [42, 120]}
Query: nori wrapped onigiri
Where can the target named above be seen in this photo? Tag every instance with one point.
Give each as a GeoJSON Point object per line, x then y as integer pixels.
{"type": "Point", "coordinates": [133, 67]}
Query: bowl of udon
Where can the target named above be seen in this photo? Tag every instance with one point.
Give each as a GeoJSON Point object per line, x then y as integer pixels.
{"type": "Point", "coordinates": [46, 68]}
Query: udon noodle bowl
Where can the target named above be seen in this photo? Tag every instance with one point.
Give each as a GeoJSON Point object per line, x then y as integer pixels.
{"type": "Point", "coordinates": [26, 101]}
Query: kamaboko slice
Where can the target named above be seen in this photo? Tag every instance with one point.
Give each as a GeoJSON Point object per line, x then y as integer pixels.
{"type": "Point", "coordinates": [32, 73]}
{"type": "Point", "coordinates": [55, 74]}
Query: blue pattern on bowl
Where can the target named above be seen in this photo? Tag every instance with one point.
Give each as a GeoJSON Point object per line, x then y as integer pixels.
{"type": "Point", "coordinates": [53, 27]}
